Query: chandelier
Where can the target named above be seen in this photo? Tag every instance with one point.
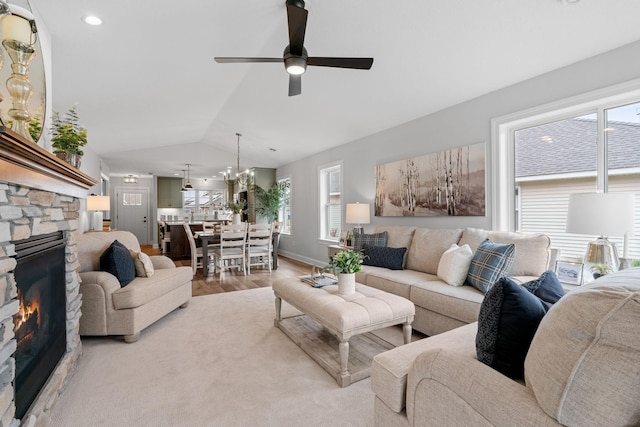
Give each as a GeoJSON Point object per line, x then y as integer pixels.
{"type": "Point", "coordinates": [241, 179]}
{"type": "Point", "coordinates": [130, 179]}
{"type": "Point", "coordinates": [187, 186]}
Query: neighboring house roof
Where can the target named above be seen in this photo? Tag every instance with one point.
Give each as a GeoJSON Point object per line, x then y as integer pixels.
{"type": "Point", "coordinates": [569, 146]}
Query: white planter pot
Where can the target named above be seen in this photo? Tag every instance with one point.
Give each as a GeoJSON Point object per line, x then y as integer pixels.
{"type": "Point", "coordinates": [237, 218]}
{"type": "Point", "coordinates": [346, 283]}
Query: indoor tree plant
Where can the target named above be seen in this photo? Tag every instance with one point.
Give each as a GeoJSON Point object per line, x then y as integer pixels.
{"type": "Point", "coordinates": [346, 264]}
{"type": "Point", "coordinates": [67, 136]}
{"type": "Point", "coordinates": [269, 201]}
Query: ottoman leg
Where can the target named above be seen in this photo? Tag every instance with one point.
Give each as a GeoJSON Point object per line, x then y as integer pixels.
{"type": "Point", "coordinates": [406, 332]}
{"type": "Point", "coordinates": [343, 348]}
{"type": "Point", "coordinates": [278, 310]}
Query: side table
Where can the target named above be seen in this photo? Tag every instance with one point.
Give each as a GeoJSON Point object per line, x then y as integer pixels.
{"type": "Point", "coordinates": [334, 249]}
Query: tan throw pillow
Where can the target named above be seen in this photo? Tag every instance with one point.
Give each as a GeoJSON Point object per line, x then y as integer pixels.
{"type": "Point", "coordinates": [454, 264]}
{"type": "Point", "coordinates": [144, 266]}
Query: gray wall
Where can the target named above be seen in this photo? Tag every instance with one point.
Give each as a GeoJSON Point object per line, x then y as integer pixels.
{"type": "Point", "coordinates": [463, 124]}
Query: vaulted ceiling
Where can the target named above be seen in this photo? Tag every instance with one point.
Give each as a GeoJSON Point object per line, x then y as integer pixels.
{"type": "Point", "coordinates": [153, 99]}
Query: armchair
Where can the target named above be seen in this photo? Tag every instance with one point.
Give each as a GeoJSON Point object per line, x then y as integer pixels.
{"type": "Point", "coordinates": [108, 308]}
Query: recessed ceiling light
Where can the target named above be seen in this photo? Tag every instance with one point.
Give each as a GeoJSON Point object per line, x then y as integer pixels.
{"type": "Point", "coordinates": [92, 20]}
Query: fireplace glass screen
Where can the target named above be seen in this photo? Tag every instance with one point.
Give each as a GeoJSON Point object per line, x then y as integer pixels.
{"type": "Point", "coordinates": [40, 323]}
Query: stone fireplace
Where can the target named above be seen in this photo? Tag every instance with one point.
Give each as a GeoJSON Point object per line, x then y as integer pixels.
{"type": "Point", "coordinates": [39, 199]}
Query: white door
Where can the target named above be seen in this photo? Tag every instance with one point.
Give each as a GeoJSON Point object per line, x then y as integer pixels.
{"type": "Point", "coordinates": [132, 212]}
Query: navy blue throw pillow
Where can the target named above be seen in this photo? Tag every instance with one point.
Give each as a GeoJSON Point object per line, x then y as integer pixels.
{"type": "Point", "coordinates": [117, 261]}
{"type": "Point", "coordinates": [382, 256]}
{"type": "Point", "coordinates": [547, 287]}
{"type": "Point", "coordinates": [508, 320]}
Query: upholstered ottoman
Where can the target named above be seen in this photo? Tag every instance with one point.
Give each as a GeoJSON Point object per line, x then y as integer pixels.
{"type": "Point", "coordinates": [344, 316]}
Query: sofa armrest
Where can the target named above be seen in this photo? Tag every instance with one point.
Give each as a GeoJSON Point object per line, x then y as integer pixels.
{"type": "Point", "coordinates": [446, 388]}
{"type": "Point", "coordinates": [161, 262]}
{"type": "Point", "coordinates": [107, 281]}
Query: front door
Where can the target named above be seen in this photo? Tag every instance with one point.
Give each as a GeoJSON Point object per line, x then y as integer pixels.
{"type": "Point", "coordinates": [132, 212]}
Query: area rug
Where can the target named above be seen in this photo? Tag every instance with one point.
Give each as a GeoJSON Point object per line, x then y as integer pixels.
{"type": "Point", "coordinates": [219, 362]}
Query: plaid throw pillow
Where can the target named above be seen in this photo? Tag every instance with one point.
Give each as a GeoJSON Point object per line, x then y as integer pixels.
{"type": "Point", "coordinates": [490, 262]}
{"type": "Point", "coordinates": [359, 240]}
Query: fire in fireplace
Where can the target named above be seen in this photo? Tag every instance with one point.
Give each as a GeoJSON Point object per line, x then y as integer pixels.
{"type": "Point", "coordinates": [39, 324]}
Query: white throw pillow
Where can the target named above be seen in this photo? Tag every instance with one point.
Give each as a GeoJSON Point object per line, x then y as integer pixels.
{"type": "Point", "coordinates": [144, 266]}
{"type": "Point", "coordinates": [454, 264]}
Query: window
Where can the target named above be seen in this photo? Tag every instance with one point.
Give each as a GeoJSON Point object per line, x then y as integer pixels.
{"type": "Point", "coordinates": [284, 213]}
{"type": "Point", "coordinates": [556, 153]}
{"type": "Point", "coordinates": [201, 202]}
{"type": "Point", "coordinates": [330, 202]}
{"type": "Point", "coordinates": [131, 199]}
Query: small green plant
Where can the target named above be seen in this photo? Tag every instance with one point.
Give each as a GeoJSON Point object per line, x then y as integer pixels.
{"type": "Point", "coordinates": [67, 136]}
{"type": "Point", "coordinates": [635, 263]}
{"type": "Point", "coordinates": [236, 207]}
{"type": "Point", "coordinates": [345, 262]}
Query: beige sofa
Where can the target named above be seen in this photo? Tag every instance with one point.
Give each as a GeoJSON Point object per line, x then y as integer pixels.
{"type": "Point", "coordinates": [107, 308]}
{"type": "Point", "coordinates": [582, 369]}
{"type": "Point", "coordinates": [441, 307]}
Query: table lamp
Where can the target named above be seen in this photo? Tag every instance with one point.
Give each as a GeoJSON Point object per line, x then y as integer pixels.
{"type": "Point", "coordinates": [601, 214]}
{"type": "Point", "coordinates": [98, 204]}
{"type": "Point", "coordinates": [357, 213]}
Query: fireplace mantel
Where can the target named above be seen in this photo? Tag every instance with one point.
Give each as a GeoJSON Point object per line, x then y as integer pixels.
{"type": "Point", "coordinates": [26, 163]}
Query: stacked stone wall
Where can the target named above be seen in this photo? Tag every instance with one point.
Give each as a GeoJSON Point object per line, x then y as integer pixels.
{"type": "Point", "coordinates": [26, 212]}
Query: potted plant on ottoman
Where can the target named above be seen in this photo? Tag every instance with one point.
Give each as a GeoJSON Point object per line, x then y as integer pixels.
{"type": "Point", "coordinates": [346, 264]}
{"type": "Point", "coordinates": [67, 136]}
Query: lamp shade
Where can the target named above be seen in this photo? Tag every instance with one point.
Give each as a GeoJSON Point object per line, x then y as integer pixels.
{"type": "Point", "coordinates": [601, 214]}
{"type": "Point", "coordinates": [357, 213]}
{"type": "Point", "coordinates": [98, 203]}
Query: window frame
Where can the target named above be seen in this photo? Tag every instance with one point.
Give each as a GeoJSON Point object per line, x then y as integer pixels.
{"type": "Point", "coordinates": [323, 184]}
{"type": "Point", "coordinates": [283, 228]}
{"type": "Point", "coordinates": [503, 141]}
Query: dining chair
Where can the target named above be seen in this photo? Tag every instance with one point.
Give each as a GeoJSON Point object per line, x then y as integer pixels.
{"type": "Point", "coordinates": [196, 253]}
{"type": "Point", "coordinates": [259, 246]}
{"type": "Point", "coordinates": [231, 252]}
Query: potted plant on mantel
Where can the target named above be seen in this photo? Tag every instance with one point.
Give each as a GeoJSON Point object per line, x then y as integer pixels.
{"type": "Point", "coordinates": [67, 137]}
{"type": "Point", "coordinates": [346, 264]}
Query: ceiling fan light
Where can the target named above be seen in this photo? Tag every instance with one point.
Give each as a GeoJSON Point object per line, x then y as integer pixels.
{"type": "Point", "coordinates": [295, 65]}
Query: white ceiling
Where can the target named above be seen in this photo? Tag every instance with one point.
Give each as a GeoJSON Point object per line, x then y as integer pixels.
{"type": "Point", "coordinates": [153, 99]}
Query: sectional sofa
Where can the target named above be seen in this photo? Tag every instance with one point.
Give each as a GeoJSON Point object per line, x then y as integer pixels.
{"type": "Point", "coordinates": [439, 306]}
{"type": "Point", "coordinates": [581, 369]}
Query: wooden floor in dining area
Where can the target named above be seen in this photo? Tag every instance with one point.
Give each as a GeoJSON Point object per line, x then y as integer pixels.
{"type": "Point", "coordinates": [230, 281]}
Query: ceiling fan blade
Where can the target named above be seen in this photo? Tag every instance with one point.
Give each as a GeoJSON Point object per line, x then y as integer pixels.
{"type": "Point", "coordinates": [295, 85]}
{"type": "Point", "coordinates": [297, 18]}
{"type": "Point", "coordinates": [357, 63]}
{"type": "Point", "coordinates": [230, 59]}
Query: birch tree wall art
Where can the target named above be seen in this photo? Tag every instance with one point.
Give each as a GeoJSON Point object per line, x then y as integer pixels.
{"type": "Point", "coordinates": [447, 183]}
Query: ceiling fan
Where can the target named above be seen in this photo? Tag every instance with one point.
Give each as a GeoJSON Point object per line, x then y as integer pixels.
{"type": "Point", "coordinates": [295, 56]}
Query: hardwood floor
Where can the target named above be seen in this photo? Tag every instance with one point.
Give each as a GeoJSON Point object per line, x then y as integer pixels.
{"type": "Point", "coordinates": [230, 281]}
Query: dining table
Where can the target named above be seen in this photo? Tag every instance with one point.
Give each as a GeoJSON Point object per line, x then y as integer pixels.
{"type": "Point", "coordinates": [212, 238]}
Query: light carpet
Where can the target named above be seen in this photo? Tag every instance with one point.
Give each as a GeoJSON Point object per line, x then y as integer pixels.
{"type": "Point", "coordinates": [219, 362]}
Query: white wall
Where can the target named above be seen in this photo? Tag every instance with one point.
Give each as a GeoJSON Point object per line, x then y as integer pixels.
{"type": "Point", "coordinates": [463, 124]}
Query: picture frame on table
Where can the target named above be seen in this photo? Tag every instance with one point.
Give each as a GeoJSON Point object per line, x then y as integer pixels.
{"type": "Point", "coordinates": [569, 272]}
{"type": "Point", "coordinates": [343, 238]}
